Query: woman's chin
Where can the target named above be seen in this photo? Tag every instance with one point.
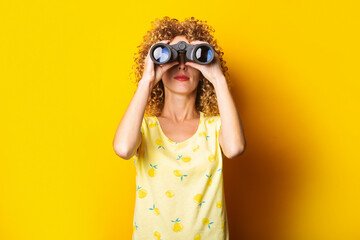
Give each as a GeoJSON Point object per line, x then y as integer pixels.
{"type": "Point", "coordinates": [184, 90]}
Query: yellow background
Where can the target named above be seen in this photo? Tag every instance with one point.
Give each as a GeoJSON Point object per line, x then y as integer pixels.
{"type": "Point", "coordinates": [65, 84]}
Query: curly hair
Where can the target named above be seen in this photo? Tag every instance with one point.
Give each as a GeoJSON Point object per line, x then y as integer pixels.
{"type": "Point", "coordinates": [193, 29]}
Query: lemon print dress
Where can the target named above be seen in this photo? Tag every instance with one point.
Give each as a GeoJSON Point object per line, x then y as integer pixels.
{"type": "Point", "coordinates": [179, 185]}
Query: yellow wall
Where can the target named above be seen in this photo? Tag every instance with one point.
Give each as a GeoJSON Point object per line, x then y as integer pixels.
{"type": "Point", "coordinates": [65, 84]}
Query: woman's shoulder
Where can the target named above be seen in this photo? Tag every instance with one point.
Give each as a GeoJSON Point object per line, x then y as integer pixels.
{"type": "Point", "coordinates": [149, 121]}
{"type": "Point", "coordinates": [211, 118]}
{"type": "Point", "coordinates": [212, 121]}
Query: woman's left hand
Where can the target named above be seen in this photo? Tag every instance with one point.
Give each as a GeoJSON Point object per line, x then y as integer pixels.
{"type": "Point", "coordinates": [210, 71]}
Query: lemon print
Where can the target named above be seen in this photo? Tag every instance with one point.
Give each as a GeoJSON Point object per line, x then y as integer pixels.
{"type": "Point", "coordinates": [135, 227]}
{"type": "Point", "coordinates": [223, 225]}
{"type": "Point", "coordinates": [184, 159]}
{"type": "Point", "coordinates": [212, 158]}
{"type": "Point", "coordinates": [160, 143]}
{"type": "Point", "coordinates": [154, 124]}
{"type": "Point", "coordinates": [178, 173]}
{"type": "Point", "coordinates": [207, 222]}
{"type": "Point", "coordinates": [218, 204]}
{"type": "Point", "coordinates": [211, 121]}
{"type": "Point", "coordinates": [177, 225]}
{"type": "Point", "coordinates": [157, 235]}
{"type": "Point", "coordinates": [198, 199]}
{"type": "Point", "coordinates": [196, 148]}
{"type": "Point", "coordinates": [156, 210]}
{"type": "Point", "coordinates": [197, 237]}
{"type": "Point", "coordinates": [209, 182]}
{"type": "Point", "coordinates": [141, 192]}
{"type": "Point", "coordinates": [152, 171]}
{"type": "Point", "coordinates": [170, 193]}
{"type": "Point", "coordinates": [219, 169]}
{"type": "Point", "coordinates": [204, 134]}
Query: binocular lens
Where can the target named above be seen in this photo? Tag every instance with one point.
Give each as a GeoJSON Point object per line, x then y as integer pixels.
{"type": "Point", "coordinates": [203, 54]}
{"type": "Point", "coordinates": [161, 54]}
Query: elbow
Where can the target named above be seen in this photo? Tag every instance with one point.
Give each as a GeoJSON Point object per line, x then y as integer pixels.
{"type": "Point", "coordinates": [236, 152]}
{"type": "Point", "coordinates": [122, 152]}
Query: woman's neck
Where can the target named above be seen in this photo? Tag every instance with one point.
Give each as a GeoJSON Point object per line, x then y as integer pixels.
{"type": "Point", "coordinates": [179, 108]}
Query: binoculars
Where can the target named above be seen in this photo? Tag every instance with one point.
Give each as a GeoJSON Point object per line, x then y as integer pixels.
{"type": "Point", "coordinates": [162, 53]}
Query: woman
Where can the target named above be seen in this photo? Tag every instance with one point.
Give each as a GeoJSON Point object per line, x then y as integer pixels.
{"type": "Point", "coordinates": [173, 132]}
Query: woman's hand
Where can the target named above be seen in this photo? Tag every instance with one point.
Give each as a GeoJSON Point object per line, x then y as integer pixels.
{"type": "Point", "coordinates": [154, 72]}
{"type": "Point", "coordinates": [210, 71]}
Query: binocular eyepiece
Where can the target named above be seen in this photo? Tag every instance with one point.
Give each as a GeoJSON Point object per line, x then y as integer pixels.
{"type": "Point", "coordinates": [162, 53]}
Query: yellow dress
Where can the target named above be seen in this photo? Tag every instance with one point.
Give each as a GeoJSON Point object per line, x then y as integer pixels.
{"type": "Point", "coordinates": [179, 186]}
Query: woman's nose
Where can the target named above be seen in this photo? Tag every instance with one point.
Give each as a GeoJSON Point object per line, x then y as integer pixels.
{"type": "Point", "coordinates": [182, 61]}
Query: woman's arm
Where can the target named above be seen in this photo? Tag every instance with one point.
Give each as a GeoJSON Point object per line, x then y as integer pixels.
{"type": "Point", "coordinates": [125, 142]}
{"type": "Point", "coordinates": [128, 135]}
{"type": "Point", "coordinates": [231, 136]}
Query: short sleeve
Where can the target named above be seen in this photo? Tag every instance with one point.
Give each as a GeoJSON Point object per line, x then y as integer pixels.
{"type": "Point", "coordinates": [217, 128]}
{"type": "Point", "coordinates": [144, 131]}
{"type": "Point", "coordinates": [143, 128]}
{"type": "Point", "coordinates": [218, 123]}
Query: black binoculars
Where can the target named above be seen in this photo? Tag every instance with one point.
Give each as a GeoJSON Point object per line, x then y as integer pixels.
{"type": "Point", "coordinates": [162, 53]}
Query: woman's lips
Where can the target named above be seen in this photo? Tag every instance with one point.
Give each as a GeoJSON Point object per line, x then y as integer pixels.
{"type": "Point", "coordinates": [182, 78]}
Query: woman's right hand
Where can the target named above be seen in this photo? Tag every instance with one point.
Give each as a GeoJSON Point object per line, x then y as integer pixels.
{"type": "Point", "coordinates": [154, 72]}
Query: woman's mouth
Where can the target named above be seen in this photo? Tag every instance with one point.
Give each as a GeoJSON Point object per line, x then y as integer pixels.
{"type": "Point", "coordinates": [182, 78]}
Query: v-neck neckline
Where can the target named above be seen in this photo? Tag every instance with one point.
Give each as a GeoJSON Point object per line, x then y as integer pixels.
{"type": "Point", "coordinates": [185, 141]}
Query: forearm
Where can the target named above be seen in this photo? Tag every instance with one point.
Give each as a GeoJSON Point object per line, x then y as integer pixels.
{"type": "Point", "coordinates": [231, 135]}
{"type": "Point", "coordinates": [128, 135]}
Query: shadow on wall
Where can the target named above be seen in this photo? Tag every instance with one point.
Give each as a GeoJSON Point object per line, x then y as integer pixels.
{"type": "Point", "coordinates": [262, 184]}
